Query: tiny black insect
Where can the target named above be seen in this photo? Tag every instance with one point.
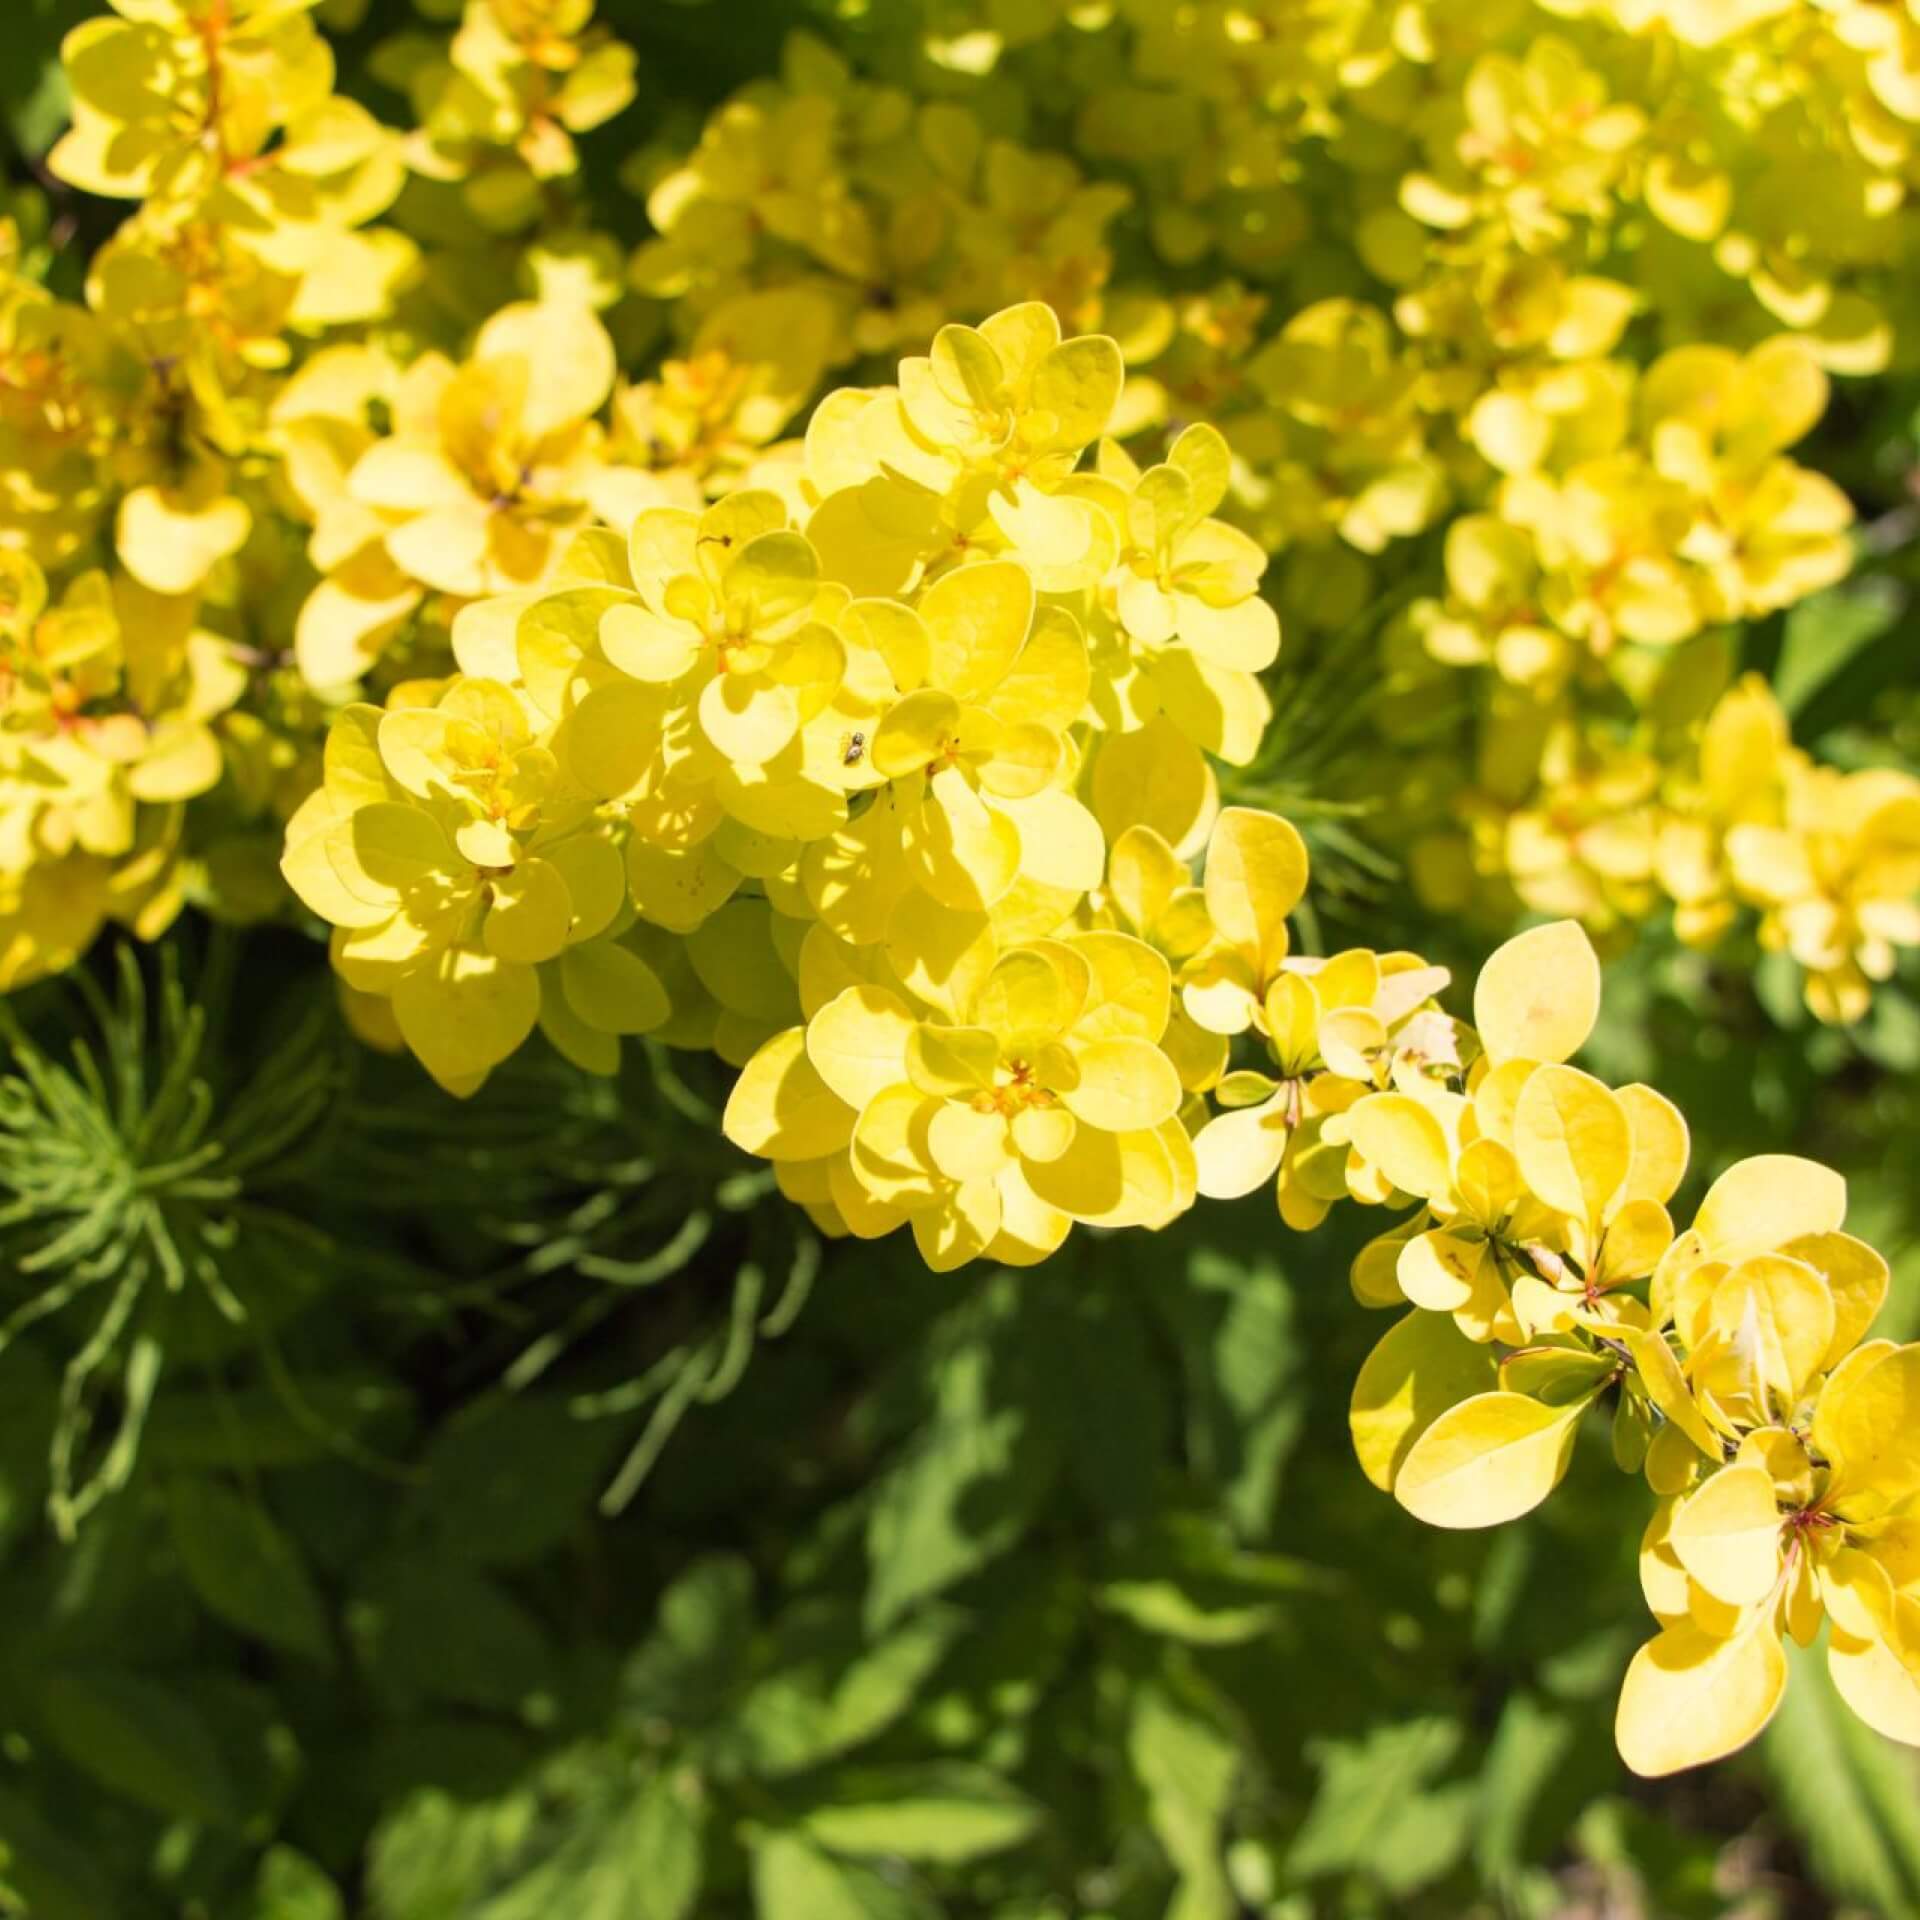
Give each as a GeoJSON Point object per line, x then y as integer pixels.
{"type": "Point", "coordinates": [852, 748]}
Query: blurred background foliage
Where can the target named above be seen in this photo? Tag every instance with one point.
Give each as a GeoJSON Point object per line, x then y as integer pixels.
{"type": "Point", "coordinates": [506, 1512]}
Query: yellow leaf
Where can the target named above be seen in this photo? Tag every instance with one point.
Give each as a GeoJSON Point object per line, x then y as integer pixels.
{"type": "Point", "coordinates": [1637, 1236]}
{"type": "Point", "coordinates": [1660, 1145]}
{"type": "Point", "coordinates": [964, 852]}
{"type": "Point", "coordinates": [1240, 1151]}
{"type": "Point", "coordinates": [967, 1142]}
{"type": "Point", "coordinates": [1727, 1535]}
{"type": "Point", "coordinates": [1422, 1366]}
{"type": "Point", "coordinates": [1872, 1432]}
{"type": "Point", "coordinates": [1572, 1142]}
{"type": "Point", "coordinates": [895, 633]}
{"type": "Point", "coordinates": [531, 913]}
{"type": "Point", "coordinates": [613, 989]}
{"type": "Point", "coordinates": [1030, 1230]}
{"type": "Point", "coordinates": [890, 1153]}
{"type": "Point", "coordinates": [1033, 994]}
{"type": "Point", "coordinates": [976, 620]}
{"type": "Point", "coordinates": [1667, 1388]}
{"type": "Point", "coordinates": [1764, 1202]}
{"type": "Point", "coordinates": [1878, 1676]}
{"type": "Point", "coordinates": [1444, 1272]}
{"type": "Point", "coordinates": [1690, 1698]}
{"type": "Point", "coordinates": [171, 538]}
{"type": "Point", "coordinates": [1256, 875]}
{"type": "Point", "coordinates": [1404, 1139]}
{"type": "Point", "coordinates": [639, 642]}
{"type": "Point", "coordinates": [463, 1012]}
{"type": "Point", "coordinates": [396, 857]}
{"type": "Point", "coordinates": [1487, 1460]}
{"type": "Point", "coordinates": [1856, 1276]}
{"type": "Point", "coordinates": [1132, 991]}
{"type": "Point", "coordinates": [1078, 383]}
{"type": "Point", "coordinates": [570, 1036]}
{"type": "Point", "coordinates": [1060, 843]}
{"type": "Point", "coordinates": [1110, 1179]}
{"type": "Point", "coordinates": [952, 1063]}
{"type": "Point", "coordinates": [960, 1227]}
{"type": "Point", "coordinates": [1497, 1095]}
{"type": "Point", "coordinates": [1125, 1085]}
{"type": "Point", "coordinates": [1153, 780]}
{"type": "Point", "coordinates": [749, 717]}
{"type": "Point", "coordinates": [914, 731]}
{"type": "Point", "coordinates": [782, 1109]}
{"type": "Point", "coordinates": [1781, 1311]}
{"type": "Point", "coordinates": [569, 355]}
{"type": "Point", "coordinates": [858, 1043]}
{"type": "Point", "coordinates": [307, 867]}
{"type": "Point", "coordinates": [612, 739]}
{"type": "Point", "coordinates": [1539, 995]}
{"type": "Point", "coordinates": [1043, 1133]}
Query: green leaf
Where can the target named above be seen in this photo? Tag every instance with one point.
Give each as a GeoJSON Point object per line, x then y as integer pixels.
{"type": "Point", "coordinates": [1379, 1810]}
{"type": "Point", "coordinates": [1847, 1793]}
{"type": "Point", "coordinates": [245, 1569]}
{"type": "Point", "coordinates": [1245, 1400]}
{"type": "Point", "coordinates": [972, 1478]}
{"type": "Point", "coordinates": [1188, 1768]}
{"type": "Point", "coordinates": [830, 1689]}
{"type": "Point", "coordinates": [794, 1880]}
{"type": "Point", "coordinates": [1825, 651]}
{"type": "Point", "coordinates": [290, 1887]}
{"type": "Point", "coordinates": [254, 1428]}
{"type": "Point", "coordinates": [620, 1858]}
{"type": "Point", "coordinates": [940, 1811]}
{"type": "Point", "coordinates": [1165, 1607]}
{"type": "Point", "coordinates": [509, 1483]}
{"type": "Point", "coordinates": [140, 1739]}
{"type": "Point", "coordinates": [1092, 1347]}
{"type": "Point", "coordinates": [1187, 1580]}
{"type": "Point", "coordinates": [53, 1873]}
{"type": "Point", "coordinates": [682, 1671]}
{"type": "Point", "coordinates": [429, 1629]}
{"type": "Point", "coordinates": [664, 1846]}
{"type": "Point", "coordinates": [1529, 1746]}
{"type": "Point", "coordinates": [432, 1855]}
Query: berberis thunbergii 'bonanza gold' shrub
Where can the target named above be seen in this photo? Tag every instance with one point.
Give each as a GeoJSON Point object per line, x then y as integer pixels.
{"type": "Point", "coordinates": [866, 694]}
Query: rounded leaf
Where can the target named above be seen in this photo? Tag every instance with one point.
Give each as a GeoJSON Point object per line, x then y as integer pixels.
{"type": "Point", "coordinates": [1764, 1202]}
{"type": "Point", "coordinates": [1539, 995]}
{"type": "Point", "coordinates": [858, 1042]}
{"type": "Point", "coordinates": [1487, 1460]}
{"type": "Point", "coordinates": [1423, 1366]}
{"type": "Point", "coordinates": [1689, 1697]}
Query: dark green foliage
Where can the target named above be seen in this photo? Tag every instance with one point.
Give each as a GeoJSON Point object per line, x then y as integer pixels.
{"type": "Point", "coordinates": [999, 1596]}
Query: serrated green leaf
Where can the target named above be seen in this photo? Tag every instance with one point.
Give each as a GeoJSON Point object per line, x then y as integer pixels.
{"type": "Point", "coordinates": [1381, 1811]}
{"type": "Point", "coordinates": [683, 1669]}
{"type": "Point", "coordinates": [828, 1689]}
{"type": "Point", "coordinates": [795, 1880]}
{"type": "Point", "coordinates": [620, 1857]}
